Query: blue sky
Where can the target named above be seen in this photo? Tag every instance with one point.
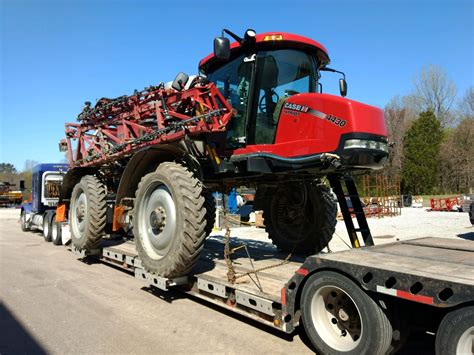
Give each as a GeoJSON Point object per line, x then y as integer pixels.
{"type": "Point", "coordinates": [57, 54]}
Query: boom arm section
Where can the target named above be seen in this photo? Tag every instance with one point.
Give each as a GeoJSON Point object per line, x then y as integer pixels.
{"type": "Point", "coordinates": [115, 128]}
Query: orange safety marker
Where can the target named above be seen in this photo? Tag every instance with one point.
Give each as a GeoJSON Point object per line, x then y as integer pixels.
{"type": "Point", "coordinates": [118, 218]}
{"type": "Point", "coordinates": [61, 212]}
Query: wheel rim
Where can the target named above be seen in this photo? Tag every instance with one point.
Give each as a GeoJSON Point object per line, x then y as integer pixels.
{"type": "Point", "coordinates": [293, 213]}
{"type": "Point", "coordinates": [466, 342]}
{"type": "Point", "coordinates": [54, 231]}
{"type": "Point", "coordinates": [45, 228]}
{"type": "Point", "coordinates": [79, 214]}
{"type": "Point", "coordinates": [157, 220]}
{"type": "Point", "coordinates": [336, 317]}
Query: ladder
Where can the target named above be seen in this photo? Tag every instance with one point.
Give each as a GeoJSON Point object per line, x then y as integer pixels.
{"type": "Point", "coordinates": [363, 227]}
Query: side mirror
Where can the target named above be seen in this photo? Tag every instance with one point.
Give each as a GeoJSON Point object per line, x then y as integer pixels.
{"type": "Point", "coordinates": [63, 146]}
{"type": "Point", "coordinates": [22, 185]}
{"type": "Point", "coordinates": [222, 48]}
{"type": "Point", "coordinates": [180, 81]}
{"type": "Point", "coordinates": [343, 87]}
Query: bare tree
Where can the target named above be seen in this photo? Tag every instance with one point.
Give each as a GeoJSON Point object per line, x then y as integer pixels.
{"type": "Point", "coordinates": [400, 112]}
{"type": "Point", "coordinates": [436, 91]}
{"type": "Point", "coordinates": [466, 105]}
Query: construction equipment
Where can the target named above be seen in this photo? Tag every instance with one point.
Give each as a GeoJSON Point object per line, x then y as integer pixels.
{"type": "Point", "coordinates": [255, 116]}
{"type": "Point", "coordinates": [9, 196]}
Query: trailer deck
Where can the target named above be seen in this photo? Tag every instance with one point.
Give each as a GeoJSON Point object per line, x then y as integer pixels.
{"type": "Point", "coordinates": [432, 271]}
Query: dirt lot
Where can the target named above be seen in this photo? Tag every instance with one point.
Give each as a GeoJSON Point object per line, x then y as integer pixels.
{"type": "Point", "coordinates": [53, 303]}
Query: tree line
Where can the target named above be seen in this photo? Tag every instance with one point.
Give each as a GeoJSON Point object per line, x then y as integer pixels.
{"type": "Point", "coordinates": [432, 136]}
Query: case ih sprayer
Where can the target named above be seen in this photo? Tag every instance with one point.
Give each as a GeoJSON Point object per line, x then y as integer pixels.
{"type": "Point", "coordinates": [253, 116]}
{"type": "Point", "coordinates": [142, 169]}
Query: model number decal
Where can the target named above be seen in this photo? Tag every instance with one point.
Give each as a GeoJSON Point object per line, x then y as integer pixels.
{"type": "Point", "coordinates": [296, 110]}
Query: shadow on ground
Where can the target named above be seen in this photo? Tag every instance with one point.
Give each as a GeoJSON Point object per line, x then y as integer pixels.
{"type": "Point", "coordinates": [14, 338]}
{"type": "Point", "coordinates": [467, 236]}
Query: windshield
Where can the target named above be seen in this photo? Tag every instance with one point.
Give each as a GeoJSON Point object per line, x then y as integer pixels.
{"type": "Point", "coordinates": [279, 74]}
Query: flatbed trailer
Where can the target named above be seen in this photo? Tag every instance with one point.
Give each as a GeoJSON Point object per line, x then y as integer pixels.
{"type": "Point", "coordinates": [427, 283]}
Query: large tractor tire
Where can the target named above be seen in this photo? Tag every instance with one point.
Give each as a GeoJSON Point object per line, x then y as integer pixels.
{"type": "Point", "coordinates": [88, 213]}
{"type": "Point", "coordinates": [340, 318]}
{"type": "Point", "coordinates": [169, 220]}
{"type": "Point", "coordinates": [299, 217]}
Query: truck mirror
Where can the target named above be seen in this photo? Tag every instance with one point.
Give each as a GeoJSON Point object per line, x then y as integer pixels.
{"type": "Point", "coordinates": [343, 87]}
{"type": "Point", "coordinates": [22, 185]}
{"type": "Point", "coordinates": [180, 81]}
{"type": "Point", "coordinates": [222, 48]}
{"type": "Point", "coordinates": [63, 146]}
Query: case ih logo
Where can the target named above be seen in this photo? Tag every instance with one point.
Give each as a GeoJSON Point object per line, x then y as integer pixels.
{"type": "Point", "coordinates": [296, 107]}
{"type": "Point", "coordinates": [295, 110]}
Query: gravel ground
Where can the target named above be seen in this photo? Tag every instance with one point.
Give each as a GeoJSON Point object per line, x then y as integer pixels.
{"type": "Point", "coordinates": [412, 223]}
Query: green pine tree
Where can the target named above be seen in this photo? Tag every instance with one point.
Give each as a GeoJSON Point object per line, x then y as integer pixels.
{"type": "Point", "coordinates": [421, 145]}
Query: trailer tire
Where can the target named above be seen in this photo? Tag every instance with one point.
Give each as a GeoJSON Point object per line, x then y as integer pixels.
{"type": "Point", "coordinates": [455, 334]}
{"type": "Point", "coordinates": [295, 228]}
{"type": "Point", "coordinates": [340, 318]}
{"type": "Point", "coordinates": [169, 220]}
{"type": "Point", "coordinates": [88, 213]}
{"type": "Point", "coordinates": [23, 222]}
{"type": "Point", "coordinates": [47, 227]}
{"type": "Point", "coordinates": [56, 232]}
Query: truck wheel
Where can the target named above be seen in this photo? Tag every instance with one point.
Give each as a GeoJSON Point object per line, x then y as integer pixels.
{"type": "Point", "coordinates": [56, 236]}
{"type": "Point", "coordinates": [23, 222]}
{"type": "Point", "coordinates": [169, 220]}
{"type": "Point", "coordinates": [299, 217]}
{"type": "Point", "coordinates": [455, 334]}
{"type": "Point", "coordinates": [88, 213]}
{"type": "Point", "coordinates": [340, 318]}
{"type": "Point", "coordinates": [47, 227]}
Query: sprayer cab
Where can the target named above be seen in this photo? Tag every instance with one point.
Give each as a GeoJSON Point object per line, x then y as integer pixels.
{"type": "Point", "coordinates": [281, 119]}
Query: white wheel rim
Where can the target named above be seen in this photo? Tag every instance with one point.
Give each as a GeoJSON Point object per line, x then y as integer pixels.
{"type": "Point", "coordinates": [157, 220]}
{"type": "Point", "coordinates": [54, 231]}
{"type": "Point", "coordinates": [45, 228]}
{"type": "Point", "coordinates": [336, 318]}
{"type": "Point", "coordinates": [78, 214]}
{"type": "Point", "coordinates": [466, 342]}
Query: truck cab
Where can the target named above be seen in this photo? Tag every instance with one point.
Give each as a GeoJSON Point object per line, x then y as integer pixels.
{"type": "Point", "coordinates": [39, 213]}
{"type": "Point", "coordinates": [281, 117]}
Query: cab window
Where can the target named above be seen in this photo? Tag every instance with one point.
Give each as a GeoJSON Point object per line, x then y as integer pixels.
{"type": "Point", "coordinates": [280, 74]}
{"type": "Point", "coordinates": [233, 81]}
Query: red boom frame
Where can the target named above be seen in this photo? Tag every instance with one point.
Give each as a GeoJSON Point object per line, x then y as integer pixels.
{"type": "Point", "coordinates": [117, 127]}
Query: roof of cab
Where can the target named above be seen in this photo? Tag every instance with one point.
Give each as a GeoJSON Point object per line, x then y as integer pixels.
{"type": "Point", "coordinates": [277, 38]}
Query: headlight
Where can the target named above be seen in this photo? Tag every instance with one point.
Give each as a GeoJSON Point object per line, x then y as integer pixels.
{"type": "Point", "coordinates": [367, 144]}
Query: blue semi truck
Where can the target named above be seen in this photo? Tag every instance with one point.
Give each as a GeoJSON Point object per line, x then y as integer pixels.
{"type": "Point", "coordinates": [40, 213]}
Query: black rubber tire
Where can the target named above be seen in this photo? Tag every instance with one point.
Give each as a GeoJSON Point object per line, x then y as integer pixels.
{"type": "Point", "coordinates": [182, 253]}
{"type": "Point", "coordinates": [376, 334]}
{"type": "Point", "coordinates": [56, 232]}
{"type": "Point", "coordinates": [210, 205]}
{"type": "Point", "coordinates": [95, 217]}
{"type": "Point", "coordinates": [293, 228]}
{"type": "Point", "coordinates": [451, 328]}
{"type": "Point", "coordinates": [47, 227]}
{"type": "Point", "coordinates": [24, 225]}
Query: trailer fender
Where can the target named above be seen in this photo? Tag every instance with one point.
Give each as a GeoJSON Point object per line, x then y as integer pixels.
{"type": "Point", "coordinates": [145, 161]}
